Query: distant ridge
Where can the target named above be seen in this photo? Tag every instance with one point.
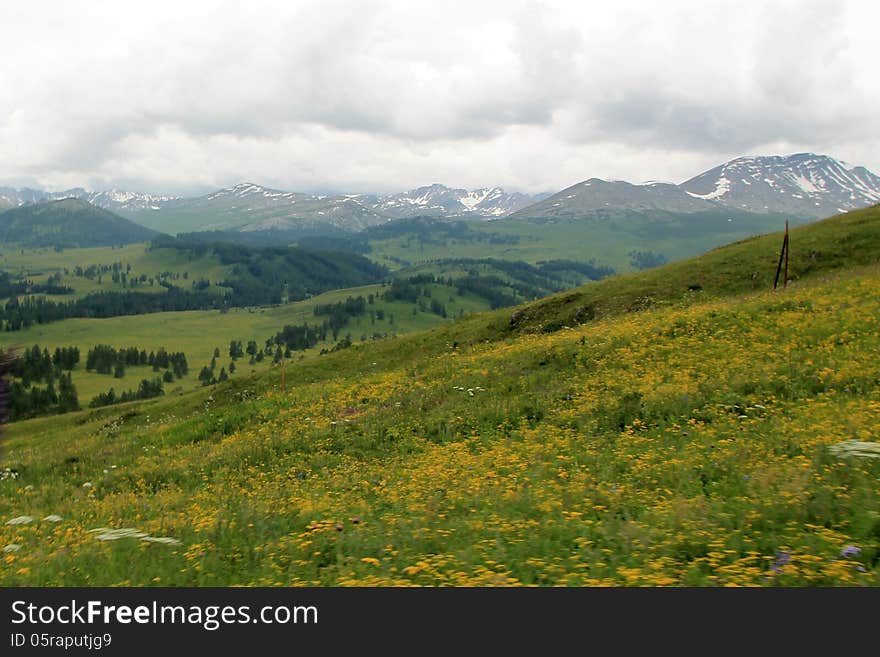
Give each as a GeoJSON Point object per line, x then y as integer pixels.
{"type": "Point", "coordinates": [114, 200]}
{"type": "Point", "coordinates": [68, 223]}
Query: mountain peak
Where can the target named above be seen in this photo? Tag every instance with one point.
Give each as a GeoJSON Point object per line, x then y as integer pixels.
{"type": "Point", "coordinates": [804, 184]}
{"type": "Point", "coordinates": [438, 200]}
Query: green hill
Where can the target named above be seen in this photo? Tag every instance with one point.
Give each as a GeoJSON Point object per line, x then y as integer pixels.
{"type": "Point", "coordinates": [608, 237]}
{"type": "Point", "coordinates": [722, 436]}
{"type": "Point", "coordinates": [845, 241]}
{"type": "Point", "coordinates": [68, 223]}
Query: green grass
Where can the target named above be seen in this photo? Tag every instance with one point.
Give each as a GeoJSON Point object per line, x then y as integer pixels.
{"type": "Point", "coordinates": [607, 241]}
{"type": "Point", "coordinates": [678, 443]}
{"type": "Point", "coordinates": [846, 241]}
{"type": "Point", "coordinates": [197, 333]}
{"type": "Point", "coordinates": [39, 264]}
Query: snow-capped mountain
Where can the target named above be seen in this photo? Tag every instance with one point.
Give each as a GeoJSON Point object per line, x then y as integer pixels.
{"type": "Point", "coordinates": [440, 201]}
{"type": "Point", "coordinates": [112, 199]}
{"type": "Point", "coordinates": [804, 184]}
{"type": "Point", "coordinates": [13, 198]}
{"type": "Point", "coordinates": [251, 192]}
{"type": "Point", "coordinates": [116, 200]}
{"type": "Point", "coordinates": [250, 207]}
{"type": "Point", "coordinates": [596, 197]}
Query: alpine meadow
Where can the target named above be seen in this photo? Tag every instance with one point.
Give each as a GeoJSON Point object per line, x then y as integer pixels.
{"type": "Point", "coordinates": [681, 426]}
{"type": "Point", "coordinates": [300, 297]}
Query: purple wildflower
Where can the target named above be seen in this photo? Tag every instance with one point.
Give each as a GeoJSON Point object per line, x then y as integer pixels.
{"type": "Point", "coordinates": [850, 551]}
{"type": "Point", "coordinates": [782, 558]}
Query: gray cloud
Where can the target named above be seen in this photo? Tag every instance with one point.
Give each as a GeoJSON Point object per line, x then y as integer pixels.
{"type": "Point", "coordinates": [382, 95]}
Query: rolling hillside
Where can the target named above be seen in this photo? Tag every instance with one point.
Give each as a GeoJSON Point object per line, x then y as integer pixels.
{"type": "Point", "coordinates": [711, 433]}
{"type": "Point", "coordinates": [68, 223]}
{"type": "Point", "coordinates": [607, 238]}
{"type": "Point", "coordinates": [850, 240]}
{"type": "Point", "coordinates": [417, 299]}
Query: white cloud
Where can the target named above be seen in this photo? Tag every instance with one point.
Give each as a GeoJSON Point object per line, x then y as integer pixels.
{"type": "Point", "coordinates": [380, 96]}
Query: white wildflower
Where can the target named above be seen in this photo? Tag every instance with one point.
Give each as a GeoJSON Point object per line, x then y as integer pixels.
{"type": "Point", "coordinates": [107, 534]}
{"type": "Point", "coordinates": [53, 518]}
{"type": "Point", "coordinates": [12, 547]}
{"type": "Point", "coordinates": [8, 473]}
{"type": "Point", "coordinates": [88, 484]}
{"type": "Point", "coordinates": [20, 520]}
{"type": "Point", "coordinates": [855, 448]}
{"type": "Point", "coordinates": [166, 540]}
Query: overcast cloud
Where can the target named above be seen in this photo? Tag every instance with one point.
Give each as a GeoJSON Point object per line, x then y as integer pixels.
{"type": "Point", "coordinates": [381, 96]}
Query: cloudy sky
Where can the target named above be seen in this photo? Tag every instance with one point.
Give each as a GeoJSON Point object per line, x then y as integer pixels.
{"type": "Point", "coordinates": [381, 96]}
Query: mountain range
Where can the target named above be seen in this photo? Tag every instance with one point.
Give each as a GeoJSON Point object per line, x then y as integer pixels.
{"type": "Point", "coordinates": [111, 199]}
{"type": "Point", "coordinates": [804, 185]}
{"type": "Point", "coordinates": [251, 207]}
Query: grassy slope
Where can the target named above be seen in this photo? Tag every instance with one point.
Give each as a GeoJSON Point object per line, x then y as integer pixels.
{"type": "Point", "coordinates": [848, 240]}
{"type": "Point", "coordinates": [608, 241]}
{"type": "Point", "coordinates": [684, 444]}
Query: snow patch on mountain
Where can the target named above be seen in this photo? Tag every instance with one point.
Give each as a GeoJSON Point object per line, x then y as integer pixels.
{"type": "Point", "coordinates": [722, 186]}
{"type": "Point", "coordinates": [442, 201]}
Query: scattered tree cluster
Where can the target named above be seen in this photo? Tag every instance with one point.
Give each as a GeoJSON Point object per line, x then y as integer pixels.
{"type": "Point", "coordinates": [646, 259]}
{"type": "Point", "coordinates": [34, 366]}
{"type": "Point", "coordinates": [105, 359]}
{"type": "Point", "coordinates": [146, 390]}
{"type": "Point", "coordinates": [37, 364]}
{"type": "Point", "coordinates": [339, 314]}
{"type": "Point", "coordinates": [12, 288]}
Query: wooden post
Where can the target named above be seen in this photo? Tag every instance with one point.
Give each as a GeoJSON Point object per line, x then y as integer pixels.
{"type": "Point", "coordinates": [783, 258]}
{"type": "Point", "coordinates": [787, 249]}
